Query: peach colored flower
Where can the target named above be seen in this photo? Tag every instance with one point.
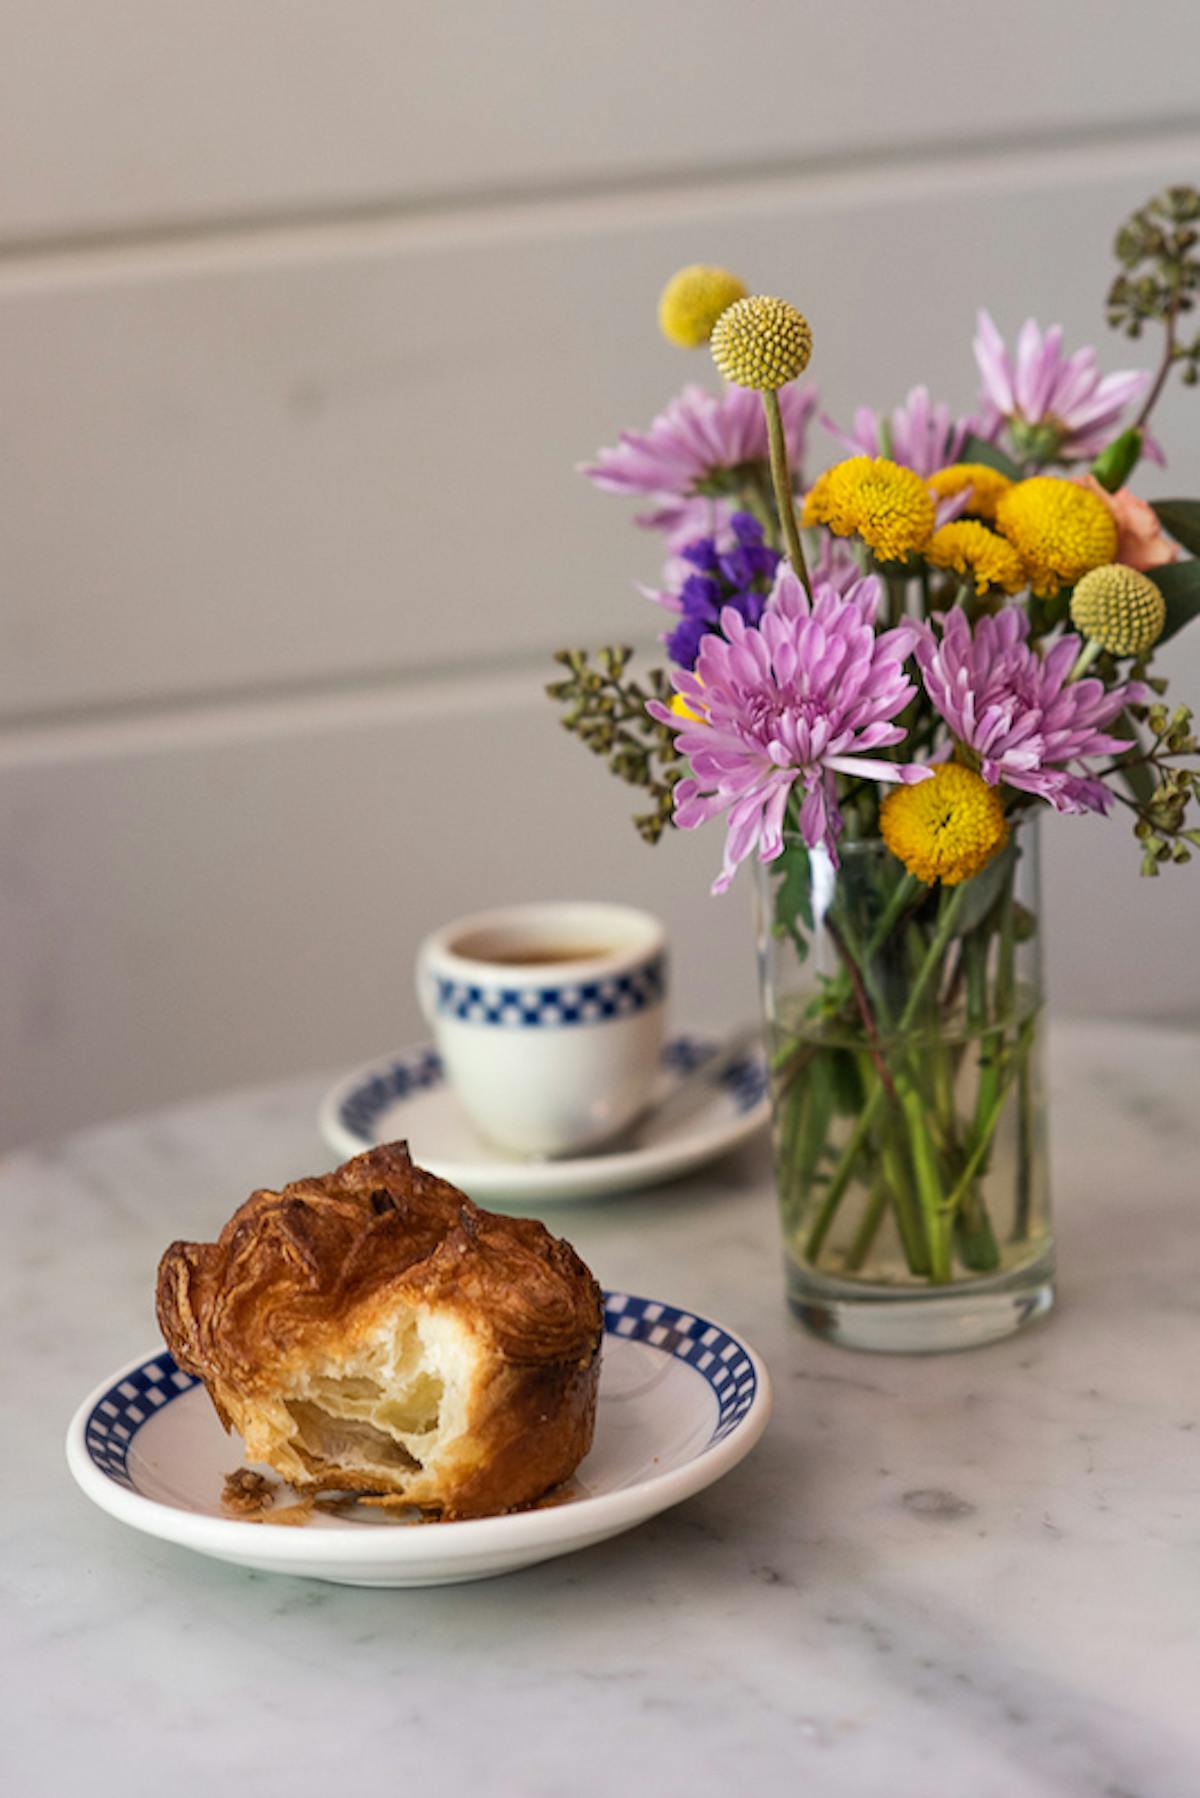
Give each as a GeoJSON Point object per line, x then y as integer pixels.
{"type": "Point", "coordinates": [1141, 542]}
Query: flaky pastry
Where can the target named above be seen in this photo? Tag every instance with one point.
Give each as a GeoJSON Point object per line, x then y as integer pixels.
{"type": "Point", "coordinates": [374, 1331]}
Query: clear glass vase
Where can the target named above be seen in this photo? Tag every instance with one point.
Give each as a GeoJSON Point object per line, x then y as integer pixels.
{"type": "Point", "coordinates": [905, 1033]}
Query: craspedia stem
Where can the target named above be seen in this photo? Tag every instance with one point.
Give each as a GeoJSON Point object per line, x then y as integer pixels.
{"type": "Point", "coordinates": [781, 480]}
{"type": "Point", "coordinates": [1084, 659]}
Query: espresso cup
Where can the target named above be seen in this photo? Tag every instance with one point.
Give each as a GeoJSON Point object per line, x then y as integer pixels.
{"type": "Point", "coordinates": [549, 1019]}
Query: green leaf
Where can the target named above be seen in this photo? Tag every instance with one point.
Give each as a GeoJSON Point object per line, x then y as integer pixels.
{"type": "Point", "coordinates": [1179, 584]}
{"type": "Point", "coordinates": [1181, 517]}
{"type": "Point", "coordinates": [982, 891]}
{"type": "Point", "coordinates": [978, 449]}
{"type": "Point", "coordinates": [1114, 465]}
{"type": "Point", "coordinates": [1140, 777]}
{"type": "Point", "coordinates": [793, 896]}
{"type": "Point", "coordinates": [845, 1083]}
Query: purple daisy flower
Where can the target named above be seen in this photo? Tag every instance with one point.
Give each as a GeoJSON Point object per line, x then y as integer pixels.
{"type": "Point", "coordinates": [698, 436]}
{"type": "Point", "coordinates": [918, 434]}
{"type": "Point", "coordinates": [1019, 711]}
{"type": "Point", "coordinates": [1055, 405]}
{"type": "Point", "coordinates": [799, 698]}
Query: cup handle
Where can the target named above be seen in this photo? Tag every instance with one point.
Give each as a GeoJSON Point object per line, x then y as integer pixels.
{"type": "Point", "coordinates": [426, 985]}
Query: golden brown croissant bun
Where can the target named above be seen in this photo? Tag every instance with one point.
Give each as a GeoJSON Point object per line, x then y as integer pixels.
{"type": "Point", "coordinates": [374, 1331]}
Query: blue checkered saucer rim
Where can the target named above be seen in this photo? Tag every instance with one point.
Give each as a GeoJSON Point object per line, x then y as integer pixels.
{"type": "Point", "coordinates": [109, 1419]}
{"type": "Point", "coordinates": [365, 1096]}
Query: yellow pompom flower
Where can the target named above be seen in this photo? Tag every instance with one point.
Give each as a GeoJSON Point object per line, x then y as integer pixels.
{"type": "Point", "coordinates": [986, 485]}
{"type": "Point", "coordinates": [1120, 609]}
{"type": "Point", "coordinates": [693, 300]}
{"type": "Point", "coordinates": [946, 828]}
{"type": "Point", "coordinates": [682, 709]}
{"type": "Point", "coordinates": [1059, 529]}
{"type": "Point", "coordinates": [885, 504]}
{"type": "Point", "coordinates": [978, 554]}
{"type": "Point", "coordinates": [760, 342]}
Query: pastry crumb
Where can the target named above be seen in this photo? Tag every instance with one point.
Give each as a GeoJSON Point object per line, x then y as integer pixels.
{"type": "Point", "coordinates": [289, 1516]}
{"type": "Point", "coordinates": [247, 1493]}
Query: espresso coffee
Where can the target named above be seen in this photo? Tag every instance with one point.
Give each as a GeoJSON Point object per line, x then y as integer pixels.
{"type": "Point", "coordinates": [527, 955]}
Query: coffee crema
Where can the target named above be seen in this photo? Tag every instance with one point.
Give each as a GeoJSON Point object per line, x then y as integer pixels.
{"type": "Point", "coordinates": [528, 955]}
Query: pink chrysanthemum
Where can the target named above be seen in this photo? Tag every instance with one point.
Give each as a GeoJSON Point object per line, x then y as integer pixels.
{"type": "Point", "coordinates": [1019, 712]}
{"type": "Point", "coordinates": [1057, 406]}
{"type": "Point", "coordinates": [697, 436]}
{"type": "Point", "coordinates": [918, 434]}
{"type": "Point", "coordinates": [799, 698]}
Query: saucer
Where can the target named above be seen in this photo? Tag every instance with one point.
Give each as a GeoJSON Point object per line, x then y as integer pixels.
{"type": "Point", "coordinates": [405, 1096]}
{"type": "Point", "coordinates": [682, 1400]}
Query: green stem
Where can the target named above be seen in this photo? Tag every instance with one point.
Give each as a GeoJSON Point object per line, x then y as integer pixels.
{"type": "Point", "coordinates": [781, 480]}
{"type": "Point", "coordinates": [1007, 957]}
{"type": "Point", "coordinates": [1085, 658]}
{"type": "Point", "coordinates": [908, 1216]}
{"type": "Point", "coordinates": [929, 1183]}
{"type": "Point", "coordinates": [987, 1130]}
{"type": "Point", "coordinates": [868, 1227]}
{"type": "Point", "coordinates": [949, 908]}
{"type": "Point", "coordinates": [1024, 1206]}
{"type": "Point", "coordinates": [902, 896]}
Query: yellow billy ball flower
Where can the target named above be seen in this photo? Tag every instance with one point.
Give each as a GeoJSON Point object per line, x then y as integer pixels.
{"type": "Point", "coordinates": [946, 828]}
{"type": "Point", "coordinates": [978, 554]}
{"type": "Point", "coordinates": [1059, 529]}
{"type": "Point", "coordinates": [986, 485]}
{"type": "Point", "coordinates": [885, 504]}
{"type": "Point", "coordinates": [1120, 609]}
{"type": "Point", "coordinates": [693, 300]}
{"type": "Point", "coordinates": [760, 342]}
{"type": "Point", "coordinates": [682, 709]}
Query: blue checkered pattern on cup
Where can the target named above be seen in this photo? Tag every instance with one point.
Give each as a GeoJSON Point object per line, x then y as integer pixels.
{"type": "Point", "coordinates": [552, 1007]}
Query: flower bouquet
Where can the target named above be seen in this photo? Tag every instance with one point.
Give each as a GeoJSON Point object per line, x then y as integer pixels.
{"type": "Point", "coordinates": [879, 678]}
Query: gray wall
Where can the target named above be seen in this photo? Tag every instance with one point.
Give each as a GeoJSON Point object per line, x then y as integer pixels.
{"type": "Point", "coordinates": [306, 313]}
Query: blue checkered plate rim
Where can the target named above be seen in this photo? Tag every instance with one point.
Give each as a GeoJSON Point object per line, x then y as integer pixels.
{"type": "Point", "coordinates": [680, 1403]}
{"type": "Point", "coordinates": [128, 1404]}
{"type": "Point", "coordinates": [682, 1400]}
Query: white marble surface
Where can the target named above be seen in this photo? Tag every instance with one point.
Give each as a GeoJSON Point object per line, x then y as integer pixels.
{"type": "Point", "coordinates": [969, 1575]}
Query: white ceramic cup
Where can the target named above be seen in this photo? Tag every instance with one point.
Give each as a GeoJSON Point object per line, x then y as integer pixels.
{"type": "Point", "coordinates": [546, 1056]}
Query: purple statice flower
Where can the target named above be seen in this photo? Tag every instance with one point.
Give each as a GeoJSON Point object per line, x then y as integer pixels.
{"type": "Point", "coordinates": [1019, 711]}
{"type": "Point", "coordinates": [698, 437]}
{"type": "Point", "coordinates": [1056, 406]}
{"type": "Point", "coordinates": [734, 568]}
{"type": "Point", "coordinates": [920, 435]}
{"type": "Point", "coordinates": [795, 700]}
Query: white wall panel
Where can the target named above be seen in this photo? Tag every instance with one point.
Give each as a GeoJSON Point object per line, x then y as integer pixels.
{"type": "Point", "coordinates": [124, 113]}
{"type": "Point", "coordinates": [239, 896]}
{"type": "Point", "coordinates": [333, 453]}
{"type": "Point", "coordinates": [272, 274]}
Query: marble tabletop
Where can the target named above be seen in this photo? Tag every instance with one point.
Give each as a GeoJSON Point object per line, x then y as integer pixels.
{"type": "Point", "coordinates": [974, 1574]}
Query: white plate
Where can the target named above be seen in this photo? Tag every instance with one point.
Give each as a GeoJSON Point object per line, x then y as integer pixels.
{"type": "Point", "coordinates": [405, 1097]}
{"type": "Point", "coordinates": [681, 1402]}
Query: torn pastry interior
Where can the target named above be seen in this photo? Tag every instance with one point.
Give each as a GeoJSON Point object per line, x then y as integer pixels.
{"type": "Point", "coordinates": [374, 1331]}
